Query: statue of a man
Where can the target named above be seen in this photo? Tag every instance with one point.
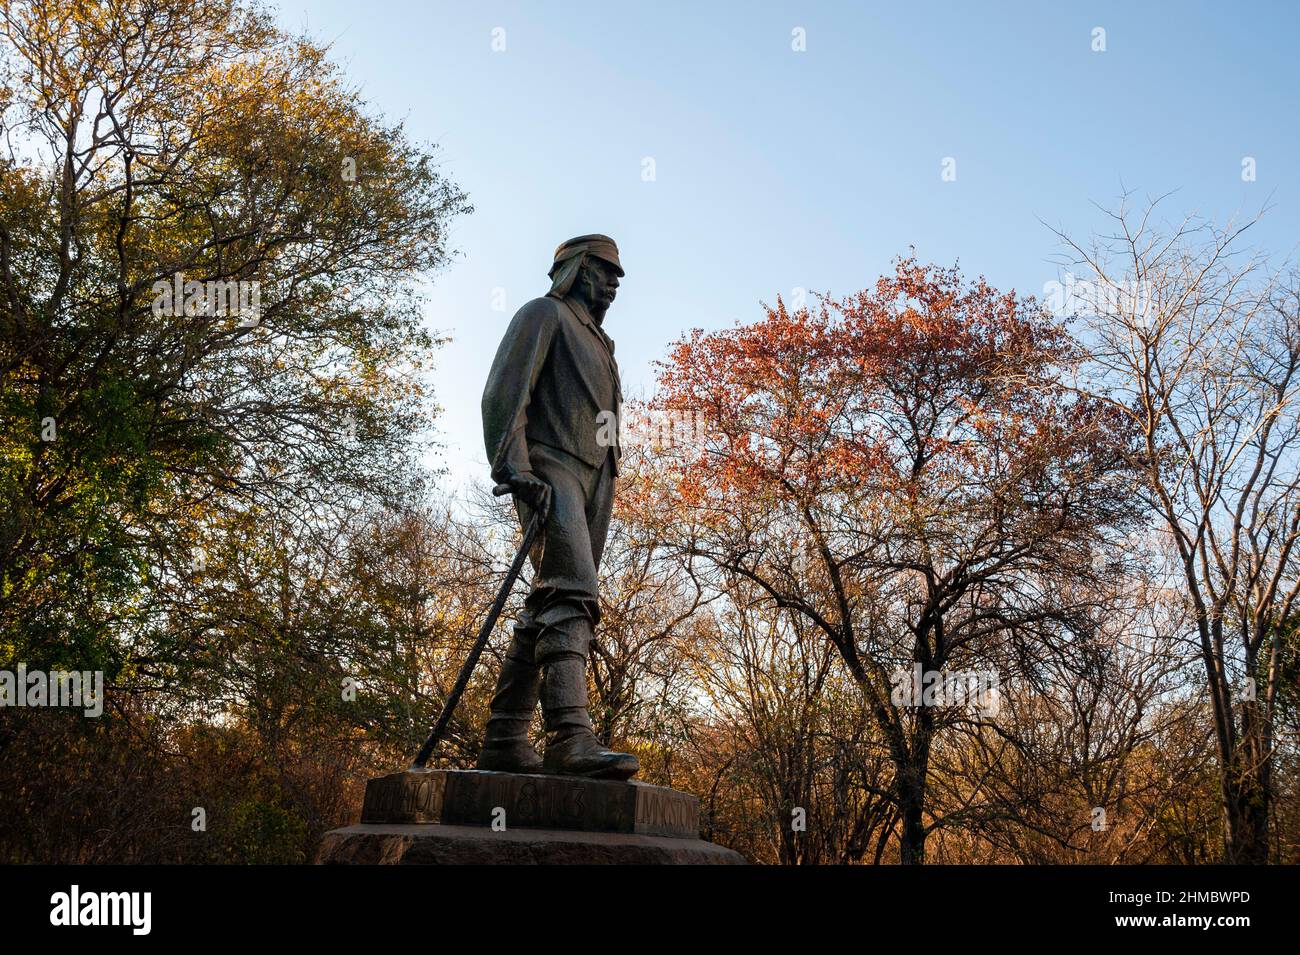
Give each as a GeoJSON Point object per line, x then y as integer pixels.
{"type": "Point", "coordinates": [551, 395]}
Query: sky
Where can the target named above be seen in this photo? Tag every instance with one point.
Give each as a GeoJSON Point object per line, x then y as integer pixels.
{"type": "Point", "coordinates": [731, 167]}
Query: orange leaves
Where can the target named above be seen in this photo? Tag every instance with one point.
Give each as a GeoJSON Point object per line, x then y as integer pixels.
{"type": "Point", "coordinates": [769, 388]}
{"type": "Point", "coordinates": [922, 385]}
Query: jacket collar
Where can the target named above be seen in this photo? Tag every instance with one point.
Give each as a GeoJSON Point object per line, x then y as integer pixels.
{"type": "Point", "coordinates": [580, 310]}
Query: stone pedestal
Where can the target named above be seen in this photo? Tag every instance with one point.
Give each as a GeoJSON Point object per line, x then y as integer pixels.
{"type": "Point", "coordinates": [440, 817]}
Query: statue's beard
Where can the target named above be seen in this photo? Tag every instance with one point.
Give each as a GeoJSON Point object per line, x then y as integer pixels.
{"type": "Point", "coordinates": [596, 304]}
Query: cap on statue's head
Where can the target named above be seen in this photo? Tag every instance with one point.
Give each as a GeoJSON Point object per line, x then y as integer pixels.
{"type": "Point", "coordinates": [601, 246]}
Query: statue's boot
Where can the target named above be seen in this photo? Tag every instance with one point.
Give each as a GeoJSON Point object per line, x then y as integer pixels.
{"type": "Point", "coordinates": [571, 747]}
{"type": "Point", "coordinates": [505, 745]}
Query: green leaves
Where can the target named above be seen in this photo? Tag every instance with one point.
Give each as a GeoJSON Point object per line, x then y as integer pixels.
{"type": "Point", "coordinates": [208, 153]}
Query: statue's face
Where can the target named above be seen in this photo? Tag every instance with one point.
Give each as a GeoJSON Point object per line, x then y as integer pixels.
{"type": "Point", "coordinates": [599, 284]}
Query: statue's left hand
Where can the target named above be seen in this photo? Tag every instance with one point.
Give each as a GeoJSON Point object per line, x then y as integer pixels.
{"type": "Point", "coordinates": [533, 491]}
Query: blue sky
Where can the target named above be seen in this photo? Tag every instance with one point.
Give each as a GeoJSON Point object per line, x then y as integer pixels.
{"type": "Point", "coordinates": [776, 169]}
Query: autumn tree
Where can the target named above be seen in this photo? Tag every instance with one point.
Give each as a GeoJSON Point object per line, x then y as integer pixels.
{"type": "Point", "coordinates": [1098, 748]}
{"type": "Point", "coordinates": [651, 607]}
{"type": "Point", "coordinates": [907, 471]}
{"type": "Point", "coordinates": [214, 393]}
{"type": "Point", "coordinates": [803, 758]}
{"type": "Point", "coordinates": [208, 257]}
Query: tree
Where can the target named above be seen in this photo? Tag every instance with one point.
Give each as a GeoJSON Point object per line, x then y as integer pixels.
{"type": "Point", "coordinates": [213, 389]}
{"type": "Point", "coordinates": [160, 146]}
{"type": "Point", "coordinates": [650, 605]}
{"type": "Point", "coordinates": [907, 470]}
{"type": "Point", "coordinates": [803, 752]}
{"type": "Point", "coordinates": [1098, 744]}
{"type": "Point", "coordinates": [1199, 347]}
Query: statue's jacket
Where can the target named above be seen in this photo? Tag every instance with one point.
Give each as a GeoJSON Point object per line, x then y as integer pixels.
{"type": "Point", "coordinates": [554, 381]}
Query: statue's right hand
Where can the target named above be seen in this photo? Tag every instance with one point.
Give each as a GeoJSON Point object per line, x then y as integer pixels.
{"type": "Point", "coordinates": [530, 489]}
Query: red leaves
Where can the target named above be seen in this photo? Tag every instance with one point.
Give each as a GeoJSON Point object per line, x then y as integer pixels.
{"type": "Point", "coordinates": [922, 386]}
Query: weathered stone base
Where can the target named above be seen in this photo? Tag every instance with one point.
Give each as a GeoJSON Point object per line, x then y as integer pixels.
{"type": "Point", "coordinates": [470, 797]}
{"type": "Point", "coordinates": [467, 817]}
{"type": "Point", "coordinates": [425, 844]}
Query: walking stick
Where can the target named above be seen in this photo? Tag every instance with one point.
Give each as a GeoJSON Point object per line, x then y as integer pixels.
{"type": "Point", "coordinates": [530, 534]}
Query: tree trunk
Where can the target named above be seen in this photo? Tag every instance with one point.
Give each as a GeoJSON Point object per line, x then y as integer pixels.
{"type": "Point", "coordinates": [1246, 833]}
{"type": "Point", "coordinates": [910, 785]}
{"type": "Point", "coordinates": [911, 846]}
{"type": "Point", "coordinates": [1246, 794]}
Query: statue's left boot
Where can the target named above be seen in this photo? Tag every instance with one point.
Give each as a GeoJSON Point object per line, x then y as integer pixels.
{"type": "Point", "coordinates": [571, 747]}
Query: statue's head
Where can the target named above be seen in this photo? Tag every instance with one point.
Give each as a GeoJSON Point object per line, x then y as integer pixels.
{"type": "Point", "coordinates": [588, 268]}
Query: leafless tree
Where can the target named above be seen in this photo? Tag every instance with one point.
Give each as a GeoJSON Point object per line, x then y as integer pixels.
{"type": "Point", "coordinates": [1198, 342]}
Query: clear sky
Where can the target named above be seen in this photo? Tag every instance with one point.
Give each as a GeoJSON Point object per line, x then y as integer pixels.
{"type": "Point", "coordinates": [776, 169]}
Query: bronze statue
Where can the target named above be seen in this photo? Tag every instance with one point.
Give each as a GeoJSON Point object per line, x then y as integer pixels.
{"type": "Point", "coordinates": [547, 405]}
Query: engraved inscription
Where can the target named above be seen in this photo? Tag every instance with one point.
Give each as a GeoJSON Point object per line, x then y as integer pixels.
{"type": "Point", "coordinates": [666, 812]}
{"type": "Point", "coordinates": [403, 797]}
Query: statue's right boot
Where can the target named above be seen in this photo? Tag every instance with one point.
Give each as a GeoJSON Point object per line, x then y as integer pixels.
{"type": "Point", "coordinates": [505, 744]}
{"type": "Point", "coordinates": [571, 747]}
